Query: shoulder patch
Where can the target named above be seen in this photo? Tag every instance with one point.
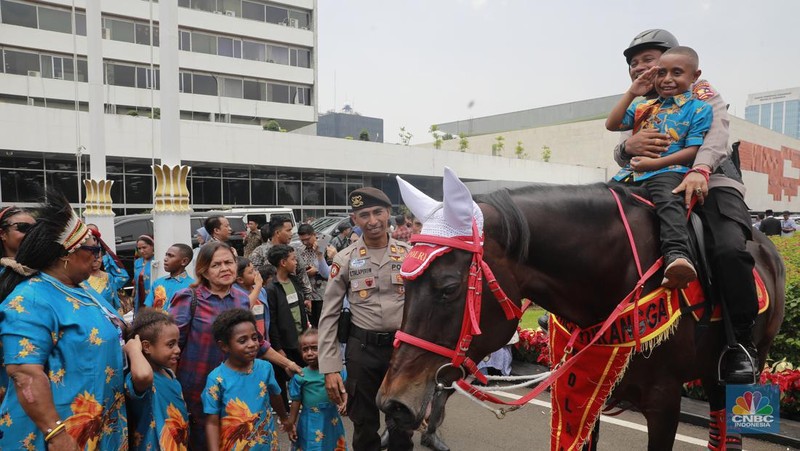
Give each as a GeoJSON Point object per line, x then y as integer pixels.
{"type": "Point", "coordinates": [334, 270]}
{"type": "Point", "coordinates": [702, 90]}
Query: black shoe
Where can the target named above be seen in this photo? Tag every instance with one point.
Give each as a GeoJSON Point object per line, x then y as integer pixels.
{"type": "Point", "coordinates": [544, 321]}
{"type": "Point", "coordinates": [385, 438]}
{"type": "Point", "coordinates": [433, 441]}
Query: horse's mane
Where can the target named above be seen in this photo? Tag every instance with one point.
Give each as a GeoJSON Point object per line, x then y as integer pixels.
{"type": "Point", "coordinates": [515, 228]}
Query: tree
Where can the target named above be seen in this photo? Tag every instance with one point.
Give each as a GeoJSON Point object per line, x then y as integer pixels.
{"type": "Point", "coordinates": [546, 153]}
{"type": "Point", "coordinates": [437, 136]}
{"type": "Point", "coordinates": [405, 136]}
{"type": "Point", "coordinates": [519, 151]}
{"type": "Point", "coordinates": [364, 135]}
{"type": "Point", "coordinates": [463, 142]}
{"type": "Point", "coordinates": [498, 146]}
{"type": "Point", "coordinates": [448, 136]}
{"type": "Point", "coordinates": [272, 125]}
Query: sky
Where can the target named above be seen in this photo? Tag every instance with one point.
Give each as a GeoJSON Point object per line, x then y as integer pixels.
{"type": "Point", "coordinates": [419, 62]}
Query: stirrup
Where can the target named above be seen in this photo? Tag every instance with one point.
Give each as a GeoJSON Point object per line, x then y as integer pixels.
{"type": "Point", "coordinates": [728, 349]}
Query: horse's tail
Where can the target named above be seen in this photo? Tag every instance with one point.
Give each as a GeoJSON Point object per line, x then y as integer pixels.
{"type": "Point", "coordinates": [513, 225]}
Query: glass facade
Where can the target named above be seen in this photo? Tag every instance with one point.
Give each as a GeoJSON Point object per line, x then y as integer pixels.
{"type": "Point", "coordinates": [309, 192]}
{"type": "Point", "coordinates": [48, 65]}
{"type": "Point", "coordinates": [782, 117]}
{"type": "Point", "coordinates": [32, 15]}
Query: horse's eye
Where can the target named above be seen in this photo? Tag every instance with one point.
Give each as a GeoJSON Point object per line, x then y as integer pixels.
{"type": "Point", "coordinates": [450, 290]}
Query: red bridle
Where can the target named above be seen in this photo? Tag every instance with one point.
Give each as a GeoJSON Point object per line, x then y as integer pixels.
{"type": "Point", "coordinates": [470, 324]}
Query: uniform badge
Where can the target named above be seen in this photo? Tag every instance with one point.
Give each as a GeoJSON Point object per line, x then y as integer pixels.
{"type": "Point", "coordinates": [358, 263]}
{"type": "Point", "coordinates": [401, 289]}
{"type": "Point", "coordinates": [402, 250]}
{"type": "Point", "coordinates": [393, 248]}
{"type": "Point", "coordinates": [369, 282]}
{"type": "Point", "coordinates": [703, 91]}
{"type": "Point", "coordinates": [396, 258]}
{"type": "Point", "coordinates": [363, 293]}
{"type": "Point", "coordinates": [356, 201]}
{"type": "Point", "coordinates": [362, 252]}
{"type": "Point", "coordinates": [257, 309]}
{"type": "Point", "coordinates": [334, 270]}
{"type": "Point", "coordinates": [399, 278]}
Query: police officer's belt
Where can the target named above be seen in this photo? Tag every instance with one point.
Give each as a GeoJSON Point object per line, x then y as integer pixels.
{"type": "Point", "coordinates": [372, 338]}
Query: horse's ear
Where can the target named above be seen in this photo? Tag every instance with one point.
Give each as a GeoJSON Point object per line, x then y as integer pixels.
{"type": "Point", "coordinates": [457, 202]}
{"type": "Point", "coordinates": [418, 202]}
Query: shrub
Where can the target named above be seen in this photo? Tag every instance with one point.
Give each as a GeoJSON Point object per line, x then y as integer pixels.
{"type": "Point", "coordinates": [532, 347]}
{"type": "Point", "coordinates": [787, 342]}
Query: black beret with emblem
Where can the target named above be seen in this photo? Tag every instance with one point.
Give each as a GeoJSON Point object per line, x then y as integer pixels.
{"type": "Point", "coordinates": [369, 197]}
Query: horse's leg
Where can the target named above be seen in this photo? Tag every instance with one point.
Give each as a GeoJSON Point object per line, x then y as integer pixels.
{"type": "Point", "coordinates": [591, 442]}
{"type": "Point", "coordinates": [661, 407]}
{"type": "Point", "coordinates": [718, 436]}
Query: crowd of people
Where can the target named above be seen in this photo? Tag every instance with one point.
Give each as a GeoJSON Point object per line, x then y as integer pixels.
{"type": "Point", "coordinates": [208, 357]}
{"type": "Point", "coordinates": [770, 225]}
{"type": "Point", "coordinates": [222, 343]}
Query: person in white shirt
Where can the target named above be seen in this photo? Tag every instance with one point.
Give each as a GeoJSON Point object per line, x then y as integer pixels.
{"type": "Point", "coordinates": [788, 226]}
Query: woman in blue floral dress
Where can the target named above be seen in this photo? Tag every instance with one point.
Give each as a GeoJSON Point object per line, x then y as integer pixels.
{"type": "Point", "coordinates": [142, 282]}
{"type": "Point", "coordinates": [61, 343]}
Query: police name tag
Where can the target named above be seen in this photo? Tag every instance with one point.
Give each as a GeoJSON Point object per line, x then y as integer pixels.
{"type": "Point", "coordinates": [362, 284]}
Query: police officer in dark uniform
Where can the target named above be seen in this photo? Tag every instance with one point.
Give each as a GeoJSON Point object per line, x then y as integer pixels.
{"type": "Point", "coordinates": [368, 273]}
{"type": "Point", "coordinates": [726, 221]}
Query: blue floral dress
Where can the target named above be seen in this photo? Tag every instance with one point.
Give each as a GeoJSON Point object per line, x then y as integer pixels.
{"type": "Point", "coordinates": [158, 417]}
{"type": "Point", "coordinates": [141, 281]}
{"type": "Point", "coordinates": [242, 402]}
{"type": "Point", "coordinates": [74, 335]}
{"type": "Point", "coordinates": [320, 426]}
{"type": "Point", "coordinates": [112, 280]}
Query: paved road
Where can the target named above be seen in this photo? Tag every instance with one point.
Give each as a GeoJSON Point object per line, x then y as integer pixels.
{"type": "Point", "coordinates": [470, 427]}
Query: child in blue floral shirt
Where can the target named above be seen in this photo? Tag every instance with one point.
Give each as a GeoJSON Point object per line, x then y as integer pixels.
{"type": "Point", "coordinates": [158, 415]}
{"type": "Point", "coordinates": [686, 120]}
{"type": "Point", "coordinates": [241, 393]}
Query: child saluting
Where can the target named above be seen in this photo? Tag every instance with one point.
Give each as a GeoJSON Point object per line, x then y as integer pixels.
{"type": "Point", "coordinates": [241, 393]}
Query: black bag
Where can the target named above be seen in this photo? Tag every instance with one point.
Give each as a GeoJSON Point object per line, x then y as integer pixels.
{"type": "Point", "coordinates": [343, 331]}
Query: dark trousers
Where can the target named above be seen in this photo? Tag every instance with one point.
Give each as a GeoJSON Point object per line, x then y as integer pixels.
{"type": "Point", "coordinates": [366, 366]}
{"type": "Point", "coordinates": [282, 378]}
{"type": "Point", "coordinates": [726, 223]}
{"type": "Point", "coordinates": [671, 213]}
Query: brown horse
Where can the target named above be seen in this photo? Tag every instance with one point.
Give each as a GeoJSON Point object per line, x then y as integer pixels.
{"type": "Point", "coordinates": [564, 247]}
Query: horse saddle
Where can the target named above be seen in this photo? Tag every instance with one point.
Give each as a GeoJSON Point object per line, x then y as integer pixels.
{"type": "Point", "coordinates": [703, 307]}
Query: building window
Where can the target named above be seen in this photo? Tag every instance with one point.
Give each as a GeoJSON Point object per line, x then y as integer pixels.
{"type": "Point", "coordinates": [254, 11]}
{"type": "Point", "coordinates": [277, 93]}
{"type": "Point", "coordinates": [232, 88]}
{"type": "Point", "coordinates": [138, 189]}
{"type": "Point", "coordinates": [276, 15]}
{"type": "Point", "coordinates": [289, 193]}
{"type": "Point", "coordinates": [236, 192]}
{"type": "Point", "coordinates": [20, 63]}
{"type": "Point", "coordinates": [255, 90]}
{"type": "Point", "coordinates": [205, 5]}
{"type": "Point", "coordinates": [255, 51]}
{"type": "Point", "coordinates": [263, 192]}
{"type": "Point", "coordinates": [16, 185]}
{"type": "Point", "coordinates": [230, 7]}
{"type": "Point", "coordinates": [143, 34]}
{"type": "Point", "coordinates": [144, 78]}
{"type": "Point", "coordinates": [206, 191]}
{"type": "Point", "coordinates": [229, 47]}
{"type": "Point", "coordinates": [204, 43]}
{"type": "Point", "coordinates": [278, 55]}
{"type": "Point", "coordinates": [186, 82]}
{"type": "Point", "coordinates": [64, 182]}
{"type": "Point", "coordinates": [120, 30]}
{"type": "Point", "coordinates": [185, 42]}
{"type": "Point", "coordinates": [204, 84]}
{"type": "Point", "coordinates": [55, 20]}
{"type": "Point", "coordinates": [120, 75]}
{"type": "Point", "coordinates": [18, 14]}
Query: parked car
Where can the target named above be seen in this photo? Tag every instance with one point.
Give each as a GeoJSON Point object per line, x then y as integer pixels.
{"type": "Point", "coordinates": [127, 229]}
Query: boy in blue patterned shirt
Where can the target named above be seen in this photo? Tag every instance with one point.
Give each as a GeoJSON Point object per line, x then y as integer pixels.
{"type": "Point", "coordinates": [176, 260]}
{"type": "Point", "coordinates": [686, 121]}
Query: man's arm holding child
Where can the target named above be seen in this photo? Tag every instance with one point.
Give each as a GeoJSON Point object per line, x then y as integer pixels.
{"type": "Point", "coordinates": [683, 157]}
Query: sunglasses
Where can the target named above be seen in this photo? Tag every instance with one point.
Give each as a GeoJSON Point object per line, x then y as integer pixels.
{"type": "Point", "coordinates": [95, 250]}
{"type": "Point", "coordinates": [22, 227]}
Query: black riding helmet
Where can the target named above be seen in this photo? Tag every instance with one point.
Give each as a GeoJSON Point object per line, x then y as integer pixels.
{"type": "Point", "coordinates": [650, 39]}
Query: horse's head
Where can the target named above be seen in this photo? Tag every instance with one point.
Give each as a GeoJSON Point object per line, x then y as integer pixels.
{"type": "Point", "coordinates": [439, 307]}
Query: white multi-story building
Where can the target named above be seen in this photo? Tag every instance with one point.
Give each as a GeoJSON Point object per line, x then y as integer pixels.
{"type": "Point", "coordinates": [776, 110]}
{"type": "Point", "coordinates": [242, 63]}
